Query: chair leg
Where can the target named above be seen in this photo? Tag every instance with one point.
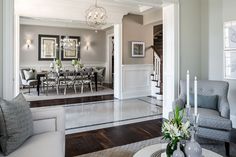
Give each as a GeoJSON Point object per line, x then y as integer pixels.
{"type": "Point", "coordinates": [29, 89]}
{"type": "Point", "coordinates": [65, 90]}
{"type": "Point", "coordinates": [227, 149]}
{"type": "Point", "coordinates": [82, 88]}
{"type": "Point", "coordinates": [75, 89]}
{"type": "Point", "coordinates": [91, 87]}
{"type": "Point", "coordinates": [57, 89]}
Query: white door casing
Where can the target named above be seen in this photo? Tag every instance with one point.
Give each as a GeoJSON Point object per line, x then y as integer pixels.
{"type": "Point", "coordinates": [118, 61]}
{"type": "Point", "coordinates": [171, 56]}
{"type": "Point", "coordinates": [8, 49]}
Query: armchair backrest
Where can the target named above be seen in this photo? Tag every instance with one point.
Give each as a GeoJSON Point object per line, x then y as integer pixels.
{"type": "Point", "coordinates": [207, 87]}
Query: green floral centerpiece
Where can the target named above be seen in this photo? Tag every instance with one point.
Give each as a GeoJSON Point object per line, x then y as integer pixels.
{"type": "Point", "coordinates": [175, 130]}
{"type": "Point", "coordinates": [76, 64]}
{"type": "Point", "coordinates": [58, 65]}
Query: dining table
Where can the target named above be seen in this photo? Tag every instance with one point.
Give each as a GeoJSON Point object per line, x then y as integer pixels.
{"type": "Point", "coordinates": [44, 73]}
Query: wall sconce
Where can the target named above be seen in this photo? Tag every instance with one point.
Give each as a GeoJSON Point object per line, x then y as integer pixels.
{"type": "Point", "coordinates": [28, 43]}
{"type": "Point", "coordinates": [87, 46]}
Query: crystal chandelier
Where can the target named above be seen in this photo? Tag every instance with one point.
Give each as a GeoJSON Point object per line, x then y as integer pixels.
{"type": "Point", "coordinates": [68, 43]}
{"type": "Point", "coordinates": [96, 16]}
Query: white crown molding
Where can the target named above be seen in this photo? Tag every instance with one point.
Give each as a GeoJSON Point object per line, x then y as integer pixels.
{"type": "Point", "coordinates": [58, 23]}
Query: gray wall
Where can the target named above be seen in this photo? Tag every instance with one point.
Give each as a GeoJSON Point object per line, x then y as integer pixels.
{"type": "Point", "coordinates": [190, 38]}
{"type": "Point", "coordinates": [134, 30]}
{"type": "Point", "coordinates": [1, 46]}
{"type": "Point", "coordinates": [209, 61]}
{"type": "Point", "coordinates": [96, 53]}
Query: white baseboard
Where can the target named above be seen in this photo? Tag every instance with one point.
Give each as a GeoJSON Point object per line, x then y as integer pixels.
{"type": "Point", "coordinates": [233, 119]}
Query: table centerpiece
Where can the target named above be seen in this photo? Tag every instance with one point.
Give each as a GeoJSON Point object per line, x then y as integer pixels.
{"type": "Point", "coordinates": [175, 130]}
{"type": "Point", "coordinates": [58, 65]}
{"type": "Point", "coordinates": [76, 64]}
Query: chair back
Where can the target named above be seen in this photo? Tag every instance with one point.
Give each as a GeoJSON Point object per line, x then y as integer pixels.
{"type": "Point", "coordinates": [207, 88]}
{"type": "Point", "coordinates": [52, 75]}
{"type": "Point", "coordinates": [22, 75]}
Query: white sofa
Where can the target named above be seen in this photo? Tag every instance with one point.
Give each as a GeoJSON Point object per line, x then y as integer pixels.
{"type": "Point", "coordinates": [49, 135]}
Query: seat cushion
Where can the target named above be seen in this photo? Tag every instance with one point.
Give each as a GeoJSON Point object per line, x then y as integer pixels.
{"type": "Point", "coordinates": [43, 145]}
{"type": "Point", "coordinates": [32, 82]}
{"type": "Point", "coordinates": [209, 119]}
{"type": "Point", "coordinates": [16, 123]}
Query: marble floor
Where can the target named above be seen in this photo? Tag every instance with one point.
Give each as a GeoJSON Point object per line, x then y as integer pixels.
{"type": "Point", "coordinates": [91, 116]}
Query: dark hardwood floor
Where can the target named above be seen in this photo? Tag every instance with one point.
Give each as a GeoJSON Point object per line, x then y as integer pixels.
{"type": "Point", "coordinates": [53, 102]}
{"type": "Point", "coordinates": [82, 143]}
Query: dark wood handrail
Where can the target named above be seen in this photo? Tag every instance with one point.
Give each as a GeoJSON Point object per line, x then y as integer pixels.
{"type": "Point", "coordinates": [156, 51]}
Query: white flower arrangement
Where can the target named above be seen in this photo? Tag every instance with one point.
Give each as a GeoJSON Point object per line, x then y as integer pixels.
{"type": "Point", "coordinates": [175, 130]}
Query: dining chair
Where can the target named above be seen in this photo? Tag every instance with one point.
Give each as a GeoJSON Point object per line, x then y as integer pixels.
{"type": "Point", "coordinates": [83, 78]}
{"type": "Point", "coordinates": [51, 81]}
{"type": "Point", "coordinates": [69, 80]}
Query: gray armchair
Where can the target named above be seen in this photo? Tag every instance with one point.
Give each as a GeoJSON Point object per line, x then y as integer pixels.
{"type": "Point", "coordinates": [27, 82]}
{"type": "Point", "coordinates": [213, 124]}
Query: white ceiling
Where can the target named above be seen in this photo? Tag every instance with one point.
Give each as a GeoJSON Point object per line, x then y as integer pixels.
{"type": "Point", "coordinates": [73, 11]}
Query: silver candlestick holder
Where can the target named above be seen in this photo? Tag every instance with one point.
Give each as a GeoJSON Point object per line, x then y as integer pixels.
{"type": "Point", "coordinates": [188, 113]}
{"type": "Point", "coordinates": [195, 122]}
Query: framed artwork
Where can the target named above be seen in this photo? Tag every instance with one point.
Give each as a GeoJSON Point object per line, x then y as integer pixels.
{"type": "Point", "coordinates": [230, 35]}
{"type": "Point", "coordinates": [70, 47]}
{"type": "Point", "coordinates": [48, 47]}
{"type": "Point", "coordinates": [138, 49]}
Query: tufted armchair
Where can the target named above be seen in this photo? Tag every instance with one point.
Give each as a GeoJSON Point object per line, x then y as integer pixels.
{"type": "Point", "coordinates": [213, 124]}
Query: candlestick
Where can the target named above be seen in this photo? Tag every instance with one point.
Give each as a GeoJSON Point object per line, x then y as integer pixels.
{"type": "Point", "coordinates": [188, 105]}
{"type": "Point", "coordinates": [195, 96]}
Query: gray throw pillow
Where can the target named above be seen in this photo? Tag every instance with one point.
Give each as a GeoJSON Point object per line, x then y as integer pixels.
{"type": "Point", "coordinates": [16, 123]}
{"type": "Point", "coordinates": [30, 74]}
{"type": "Point", "coordinates": [205, 101]}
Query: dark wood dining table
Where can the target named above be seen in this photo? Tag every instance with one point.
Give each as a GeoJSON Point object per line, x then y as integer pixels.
{"type": "Point", "coordinates": [43, 74]}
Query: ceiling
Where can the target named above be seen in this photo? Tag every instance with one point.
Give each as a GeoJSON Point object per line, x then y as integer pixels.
{"type": "Point", "coordinates": [73, 11]}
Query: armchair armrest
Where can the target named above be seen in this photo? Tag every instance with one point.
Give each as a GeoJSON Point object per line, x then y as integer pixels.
{"type": "Point", "coordinates": [178, 102]}
{"type": "Point", "coordinates": [48, 119]}
{"type": "Point", "coordinates": [224, 108]}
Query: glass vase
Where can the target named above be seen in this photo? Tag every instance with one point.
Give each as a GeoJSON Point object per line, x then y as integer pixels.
{"type": "Point", "coordinates": [171, 147]}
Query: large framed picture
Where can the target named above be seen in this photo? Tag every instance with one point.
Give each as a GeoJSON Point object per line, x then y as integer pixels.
{"type": "Point", "coordinates": [230, 35]}
{"type": "Point", "coordinates": [48, 47]}
{"type": "Point", "coordinates": [70, 47]}
{"type": "Point", "coordinates": [138, 49]}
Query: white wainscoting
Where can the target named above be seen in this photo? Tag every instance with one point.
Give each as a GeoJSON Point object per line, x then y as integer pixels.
{"type": "Point", "coordinates": [136, 80]}
{"type": "Point", "coordinates": [66, 66]}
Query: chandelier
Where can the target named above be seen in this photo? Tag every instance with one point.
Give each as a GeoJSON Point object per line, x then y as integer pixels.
{"type": "Point", "coordinates": [96, 16]}
{"type": "Point", "coordinates": [69, 44]}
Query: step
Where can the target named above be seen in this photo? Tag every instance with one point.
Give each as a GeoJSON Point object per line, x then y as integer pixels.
{"type": "Point", "coordinates": [159, 97]}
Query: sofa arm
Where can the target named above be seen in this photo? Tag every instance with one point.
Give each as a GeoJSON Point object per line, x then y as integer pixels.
{"type": "Point", "coordinates": [48, 119]}
{"type": "Point", "coordinates": [178, 102]}
{"type": "Point", "coordinates": [224, 108]}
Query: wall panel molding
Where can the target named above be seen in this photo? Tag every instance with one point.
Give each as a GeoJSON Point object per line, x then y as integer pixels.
{"type": "Point", "coordinates": [136, 80]}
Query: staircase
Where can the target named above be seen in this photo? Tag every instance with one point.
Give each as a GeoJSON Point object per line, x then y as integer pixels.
{"type": "Point", "coordinates": [157, 81]}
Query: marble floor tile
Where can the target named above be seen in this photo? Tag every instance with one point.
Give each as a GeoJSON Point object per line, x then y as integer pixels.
{"type": "Point", "coordinates": [90, 116]}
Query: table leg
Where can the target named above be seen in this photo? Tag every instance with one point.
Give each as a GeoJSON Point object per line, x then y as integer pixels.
{"type": "Point", "coordinates": [96, 81]}
{"type": "Point", "coordinates": [38, 84]}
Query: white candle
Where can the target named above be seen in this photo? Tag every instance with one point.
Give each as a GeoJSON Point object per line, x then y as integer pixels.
{"type": "Point", "coordinates": [188, 105]}
{"type": "Point", "coordinates": [195, 96]}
